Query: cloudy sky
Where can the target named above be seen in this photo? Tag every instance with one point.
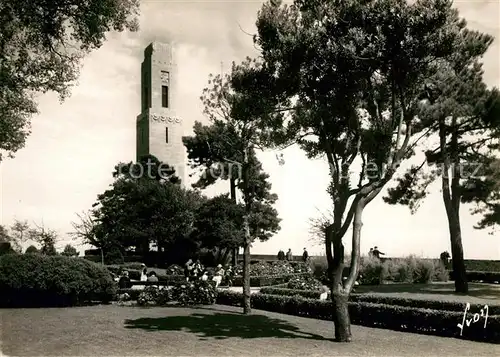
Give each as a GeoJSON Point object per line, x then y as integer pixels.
{"type": "Point", "coordinates": [74, 146]}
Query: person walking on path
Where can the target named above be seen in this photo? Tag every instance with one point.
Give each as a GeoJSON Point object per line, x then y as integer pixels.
{"type": "Point", "coordinates": [289, 255]}
{"type": "Point", "coordinates": [281, 255]}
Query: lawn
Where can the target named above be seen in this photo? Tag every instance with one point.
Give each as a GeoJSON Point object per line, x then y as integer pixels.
{"type": "Point", "coordinates": [111, 330]}
{"type": "Point", "coordinates": [478, 293]}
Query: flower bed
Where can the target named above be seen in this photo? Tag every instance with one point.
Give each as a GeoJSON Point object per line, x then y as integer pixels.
{"type": "Point", "coordinates": [186, 294]}
{"type": "Point", "coordinates": [304, 282]}
{"type": "Point", "coordinates": [275, 268]}
{"type": "Point", "coordinates": [402, 318]}
{"type": "Point", "coordinates": [267, 280]}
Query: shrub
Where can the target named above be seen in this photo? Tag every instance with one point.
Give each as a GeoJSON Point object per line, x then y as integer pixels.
{"type": "Point", "coordinates": [149, 296]}
{"type": "Point", "coordinates": [440, 272]}
{"type": "Point", "coordinates": [389, 270]}
{"type": "Point", "coordinates": [405, 268]}
{"type": "Point", "coordinates": [132, 265]}
{"type": "Point", "coordinates": [428, 321]}
{"type": "Point", "coordinates": [175, 269]}
{"type": "Point", "coordinates": [371, 271]}
{"type": "Point", "coordinates": [31, 249]}
{"type": "Point", "coordinates": [37, 280]}
{"type": "Point", "coordinates": [198, 292]}
{"type": "Point", "coordinates": [6, 248]}
{"type": "Point", "coordinates": [304, 282]}
{"type": "Point", "coordinates": [319, 267]}
{"type": "Point", "coordinates": [424, 272]}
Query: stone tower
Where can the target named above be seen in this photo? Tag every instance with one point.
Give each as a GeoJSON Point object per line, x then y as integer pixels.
{"type": "Point", "coordinates": [159, 129]}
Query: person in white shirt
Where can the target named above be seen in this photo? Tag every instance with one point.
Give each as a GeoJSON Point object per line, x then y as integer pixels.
{"type": "Point", "coordinates": [144, 273]}
{"type": "Point", "coordinates": [219, 273]}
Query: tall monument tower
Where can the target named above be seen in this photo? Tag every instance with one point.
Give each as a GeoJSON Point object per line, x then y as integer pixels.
{"type": "Point", "coordinates": [159, 129]}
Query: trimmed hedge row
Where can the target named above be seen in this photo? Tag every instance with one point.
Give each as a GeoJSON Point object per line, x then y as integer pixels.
{"type": "Point", "coordinates": [482, 265]}
{"type": "Point", "coordinates": [308, 294]}
{"type": "Point", "coordinates": [483, 276]}
{"type": "Point", "coordinates": [378, 299]}
{"type": "Point", "coordinates": [400, 318]}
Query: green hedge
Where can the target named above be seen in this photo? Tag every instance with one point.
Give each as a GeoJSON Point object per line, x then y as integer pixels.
{"type": "Point", "coordinates": [482, 265]}
{"type": "Point", "coordinates": [308, 294]}
{"type": "Point", "coordinates": [401, 318]}
{"type": "Point", "coordinates": [484, 276]}
{"type": "Point", "coordinates": [35, 280]}
{"type": "Point", "coordinates": [378, 299]}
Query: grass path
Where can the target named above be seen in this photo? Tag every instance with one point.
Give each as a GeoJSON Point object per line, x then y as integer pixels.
{"type": "Point", "coordinates": [219, 330]}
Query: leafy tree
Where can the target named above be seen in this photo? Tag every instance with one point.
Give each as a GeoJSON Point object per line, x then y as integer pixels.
{"type": "Point", "coordinates": [86, 231]}
{"type": "Point", "coordinates": [137, 212]}
{"type": "Point", "coordinates": [487, 198]}
{"type": "Point", "coordinates": [149, 167]}
{"type": "Point", "coordinates": [5, 241]}
{"type": "Point", "coordinates": [234, 111]}
{"type": "Point", "coordinates": [19, 233]}
{"type": "Point", "coordinates": [41, 48]}
{"type": "Point", "coordinates": [463, 114]}
{"type": "Point", "coordinates": [4, 234]}
{"type": "Point", "coordinates": [214, 150]}
{"type": "Point", "coordinates": [31, 250]}
{"type": "Point", "coordinates": [219, 226]}
{"type": "Point", "coordinates": [353, 72]}
{"type": "Point", "coordinates": [45, 237]}
{"type": "Point", "coordinates": [70, 251]}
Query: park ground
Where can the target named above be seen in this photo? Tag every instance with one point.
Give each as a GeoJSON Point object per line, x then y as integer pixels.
{"type": "Point", "coordinates": [112, 330]}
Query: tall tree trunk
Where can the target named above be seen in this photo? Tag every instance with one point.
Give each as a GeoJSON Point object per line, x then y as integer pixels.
{"type": "Point", "coordinates": [248, 239]}
{"type": "Point", "coordinates": [246, 274]}
{"type": "Point", "coordinates": [232, 187]}
{"type": "Point", "coordinates": [341, 290]}
{"type": "Point", "coordinates": [451, 200]}
{"type": "Point", "coordinates": [341, 321]}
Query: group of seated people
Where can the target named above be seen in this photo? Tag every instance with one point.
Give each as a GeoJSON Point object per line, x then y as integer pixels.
{"type": "Point", "coordinates": [192, 271]}
{"type": "Point", "coordinates": [124, 280]}
{"type": "Point", "coordinates": [195, 270]}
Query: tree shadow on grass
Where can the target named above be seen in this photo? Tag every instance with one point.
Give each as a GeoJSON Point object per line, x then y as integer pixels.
{"type": "Point", "coordinates": [223, 325]}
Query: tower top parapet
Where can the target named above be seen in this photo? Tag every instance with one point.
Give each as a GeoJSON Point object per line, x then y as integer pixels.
{"type": "Point", "coordinates": [158, 47]}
